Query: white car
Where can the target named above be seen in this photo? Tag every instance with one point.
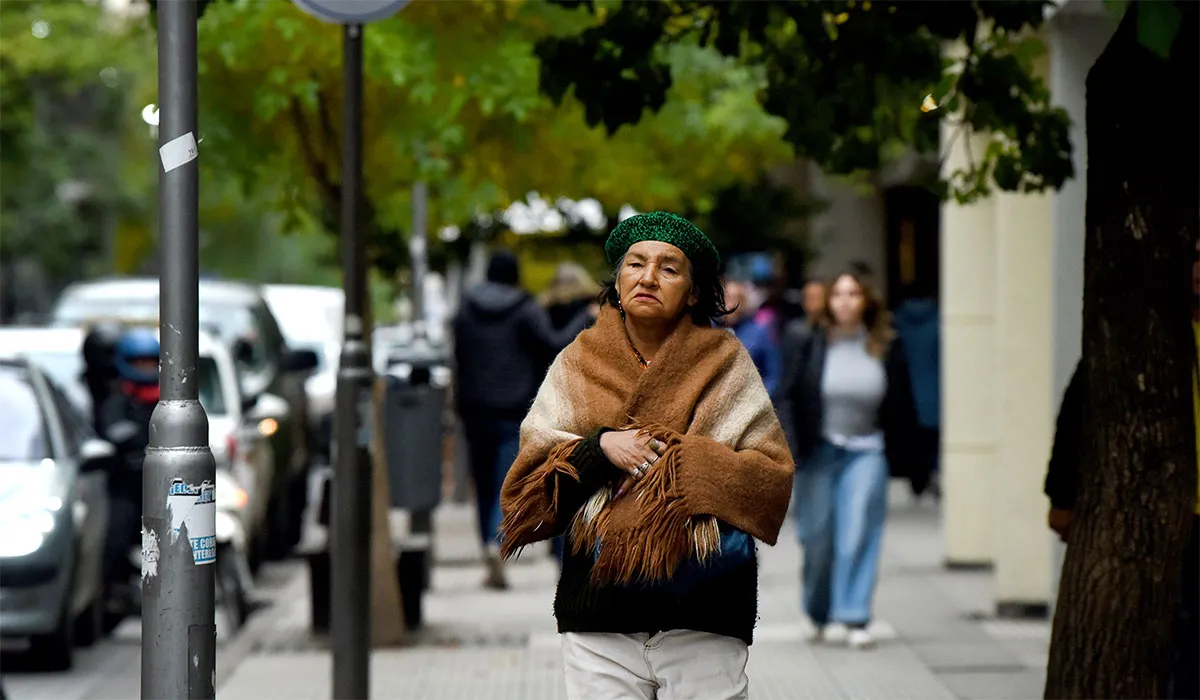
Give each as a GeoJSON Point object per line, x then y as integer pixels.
{"type": "Point", "coordinates": [237, 436]}
{"type": "Point", "coordinates": [311, 318]}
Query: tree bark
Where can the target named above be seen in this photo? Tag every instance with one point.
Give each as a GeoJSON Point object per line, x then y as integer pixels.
{"type": "Point", "coordinates": [1120, 581]}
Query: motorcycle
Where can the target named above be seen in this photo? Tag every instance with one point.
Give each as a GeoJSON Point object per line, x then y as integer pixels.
{"type": "Point", "coordinates": [232, 568]}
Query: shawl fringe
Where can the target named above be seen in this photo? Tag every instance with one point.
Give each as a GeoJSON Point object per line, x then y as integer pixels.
{"type": "Point", "coordinates": [664, 535]}
{"type": "Point", "coordinates": [521, 524]}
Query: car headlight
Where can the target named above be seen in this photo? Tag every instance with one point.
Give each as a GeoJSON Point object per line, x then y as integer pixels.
{"type": "Point", "coordinates": [26, 523]}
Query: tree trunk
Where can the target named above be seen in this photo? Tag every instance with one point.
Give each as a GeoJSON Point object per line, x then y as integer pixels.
{"type": "Point", "coordinates": [1120, 581]}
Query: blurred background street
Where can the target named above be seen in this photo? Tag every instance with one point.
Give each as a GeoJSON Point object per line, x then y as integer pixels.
{"type": "Point", "coordinates": [937, 158]}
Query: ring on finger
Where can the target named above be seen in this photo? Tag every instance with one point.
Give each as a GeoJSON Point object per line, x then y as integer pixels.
{"type": "Point", "coordinates": [645, 465]}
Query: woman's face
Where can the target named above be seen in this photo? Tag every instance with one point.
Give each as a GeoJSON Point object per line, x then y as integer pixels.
{"type": "Point", "coordinates": [846, 302]}
{"type": "Point", "coordinates": [655, 282]}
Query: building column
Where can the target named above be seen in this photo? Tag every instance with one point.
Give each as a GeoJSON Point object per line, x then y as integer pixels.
{"type": "Point", "coordinates": [968, 302]}
{"type": "Point", "coordinates": [1021, 542]}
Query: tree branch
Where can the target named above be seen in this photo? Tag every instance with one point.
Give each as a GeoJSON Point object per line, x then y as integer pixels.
{"type": "Point", "coordinates": [330, 192]}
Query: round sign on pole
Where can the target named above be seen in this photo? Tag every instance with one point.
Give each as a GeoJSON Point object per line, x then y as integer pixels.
{"type": "Point", "coordinates": [351, 11]}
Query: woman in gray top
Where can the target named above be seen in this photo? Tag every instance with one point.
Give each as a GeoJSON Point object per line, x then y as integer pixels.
{"type": "Point", "coordinates": [846, 404]}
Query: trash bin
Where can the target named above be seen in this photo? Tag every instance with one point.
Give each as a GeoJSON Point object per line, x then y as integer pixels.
{"type": "Point", "coordinates": [417, 378]}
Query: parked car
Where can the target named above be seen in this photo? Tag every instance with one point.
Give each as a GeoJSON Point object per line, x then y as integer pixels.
{"type": "Point", "coordinates": [53, 516]}
{"type": "Point", "coordinates": [271, 374]}
{"type": "Point", "coordinates": [244, 457]}
{"type": "Point", "coordinates": [311, 318]}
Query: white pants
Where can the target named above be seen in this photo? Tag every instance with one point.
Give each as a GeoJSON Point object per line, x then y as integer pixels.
{"type": "Point", "coordinates": [674, 665]}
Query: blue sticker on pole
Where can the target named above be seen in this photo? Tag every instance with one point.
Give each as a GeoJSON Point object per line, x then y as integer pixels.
{"type": "Point", "coordinates": [194, 507]}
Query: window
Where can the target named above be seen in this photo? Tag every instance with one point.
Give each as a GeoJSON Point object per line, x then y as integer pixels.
{"type": "Point", "coordinates": [72, 436]}
{"type": "Point", "coordinates": [23, 435]}
{"type": "Point", "coordinates": [211, 396]}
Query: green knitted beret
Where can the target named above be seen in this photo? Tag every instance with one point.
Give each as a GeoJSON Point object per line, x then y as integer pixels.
{"type": "Point", "coordinates": [663, 227]}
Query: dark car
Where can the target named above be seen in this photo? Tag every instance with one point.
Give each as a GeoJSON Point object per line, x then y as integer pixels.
{"type": "Point", "coordinates": [53, 517]}
{"type": "Point", "coordinates": [272, 375]}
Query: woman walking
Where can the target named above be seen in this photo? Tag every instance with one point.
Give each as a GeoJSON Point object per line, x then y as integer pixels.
{"type": "Point", "coordinates": [847, 405]}
{"type": "Point", "coordinates": [654, 446]}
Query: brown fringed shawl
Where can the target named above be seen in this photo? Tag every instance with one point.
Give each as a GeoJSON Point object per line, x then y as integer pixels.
{"type": "Point", "coordinates": [726, 455]}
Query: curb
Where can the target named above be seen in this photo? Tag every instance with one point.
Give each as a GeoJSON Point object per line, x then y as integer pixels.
{"type": "Point", "coordinates": [258, 628]}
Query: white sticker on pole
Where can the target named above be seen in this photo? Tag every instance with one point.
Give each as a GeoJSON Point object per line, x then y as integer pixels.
{"type": "Point", "coordinates": [194, 507]}
{"type": "Point", "coordinates": [179, 151]}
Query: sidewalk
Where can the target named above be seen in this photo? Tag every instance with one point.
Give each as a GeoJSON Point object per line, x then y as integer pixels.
{"type": "Point", "coordinates": [936, 638]}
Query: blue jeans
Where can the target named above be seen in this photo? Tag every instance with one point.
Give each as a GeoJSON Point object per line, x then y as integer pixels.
{"type": "Point", "coordinates": [493, 445]}
{"type": "Point", "coordinates": [841, 505]}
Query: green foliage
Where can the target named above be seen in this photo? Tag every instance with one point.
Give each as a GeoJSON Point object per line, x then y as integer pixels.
{"type": "Point", "coordinates": [456, 103]}
{"type": "Point", "coordinates": [848, 77]}
{"type": "Point", "coordinates": [67, 127]}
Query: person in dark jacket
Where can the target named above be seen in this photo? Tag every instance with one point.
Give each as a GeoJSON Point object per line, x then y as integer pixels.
{"type": "Point", "coordinates": [501, 337]}
{"type": "Point", "coordinates": [99, 373]}
{"type": "Point", "coordinates": [846, 404]}
{"type": "Point", "coordinates": [1062, 472]}
{"type": "Point", "coordinates": [572, 292]}
{"type": "Point", "coordinates": [128, 410]}
{"type": "Point", "coordinates": [918, 326]}
{"type": "Point", "coordinates": [755, 334]}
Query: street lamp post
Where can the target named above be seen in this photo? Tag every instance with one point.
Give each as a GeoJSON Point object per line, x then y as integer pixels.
{"type": "Point", "coordinates": [350, 599]}
{"type": "Point", "coordinates": [351, 517]}
{"type": "Point", "coordinates": [179, 634]}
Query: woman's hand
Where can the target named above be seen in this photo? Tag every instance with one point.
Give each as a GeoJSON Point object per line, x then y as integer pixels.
{"type": "Point", "coordinates": [630, 452]}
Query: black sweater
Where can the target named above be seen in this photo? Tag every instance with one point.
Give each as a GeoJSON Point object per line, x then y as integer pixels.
{"type": "Point", "coordinates": [725, 604]}
{"type": "Point", "coordinates": [1063, 471]}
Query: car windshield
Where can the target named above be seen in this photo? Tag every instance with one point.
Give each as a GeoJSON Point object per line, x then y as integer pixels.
{"type": "Point", "coordinates": [23, 430]}
{"type": "Point", "coordinates": [227, 322]}
{"type": "Point", "coordinates": [65, 369]}
{"type": "Point", "coordinates": [211, 396]}
{"type": "Point", "coordinates": [307, 318]}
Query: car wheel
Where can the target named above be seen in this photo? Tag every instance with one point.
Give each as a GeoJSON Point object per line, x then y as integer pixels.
{"type": "Point", "coordinates": [55, 651]}
{"type": "Point", "coordinates": [230, 589]}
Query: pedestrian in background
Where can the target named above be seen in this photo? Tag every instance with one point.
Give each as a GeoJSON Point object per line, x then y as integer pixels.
{"type": "Point", "coordinates": [847, 405]}
{"type": "Point", "coordinates": [654, 445]}
{"type": "Point", "coordinates": [501, 335]}
{"type": "Point", "coordinates": [918, 325]}
{"type": "Point", "coordinates": [754, 334]}
{"type": "Point", "coordinates": [813, 299]}
{"type": "Point", "coordinates": [572, 290]}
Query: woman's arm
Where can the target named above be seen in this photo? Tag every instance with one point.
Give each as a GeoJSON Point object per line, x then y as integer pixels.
{"type": "Point", "coordinates": [748, 489]}
{"type": "Point", "coordinates": [743, 473]}
{"type": "Point", "coordinates": [555, 473]}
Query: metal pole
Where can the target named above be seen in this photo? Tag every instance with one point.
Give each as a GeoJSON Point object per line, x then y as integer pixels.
{"type": "Point", "coordinates": [179, 633]}
{"type": "Point", "coordinates": [351, 518]}
{"type": "Point", "coordinates": [418, 246]}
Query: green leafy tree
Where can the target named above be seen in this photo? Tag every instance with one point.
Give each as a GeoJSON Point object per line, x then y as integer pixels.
{"type": "Point", "coordinates": [68, 125]}
{"type": "Point", "coordinates": [1137, 489]}
{"type": "Point", "coordinates": [846, 76]}
{"type": "Point", "coordinates": [456, 104]}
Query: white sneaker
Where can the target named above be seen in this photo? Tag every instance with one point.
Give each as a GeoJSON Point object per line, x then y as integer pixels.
{"type": "Point", "coordinates": [816, 636]}
{"type": "Point", "coordinates": [835, 633]}
{"type": "Point", "coordinates": [860, 639]}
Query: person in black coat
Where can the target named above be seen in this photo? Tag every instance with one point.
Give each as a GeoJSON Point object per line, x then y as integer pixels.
{"type": "Point", "coordinates": [846, 405]}
{"type": "Point", "coordinates": [502, 336]}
